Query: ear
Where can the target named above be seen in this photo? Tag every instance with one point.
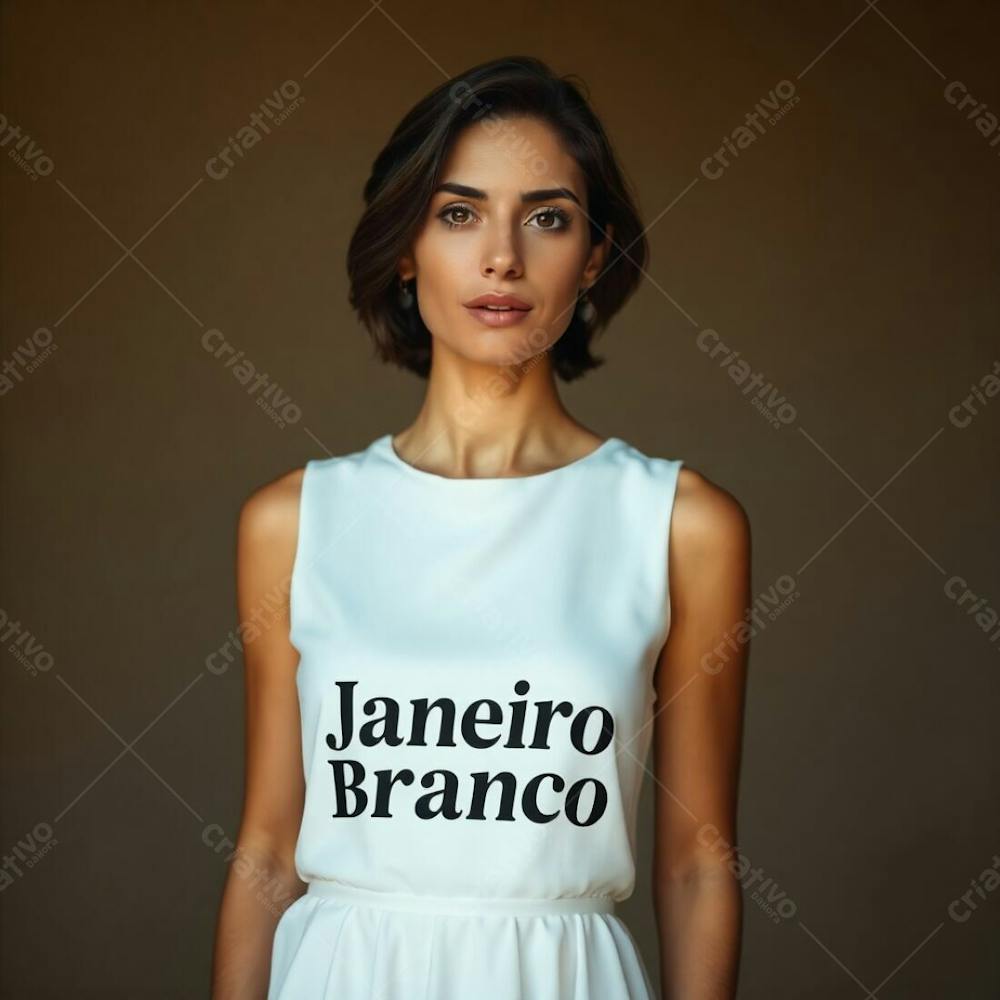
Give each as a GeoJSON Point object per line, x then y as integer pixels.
{"type": "Point", "coordinates": [598, 257]}
{"type": "Point", "coordinates": [406, 268]}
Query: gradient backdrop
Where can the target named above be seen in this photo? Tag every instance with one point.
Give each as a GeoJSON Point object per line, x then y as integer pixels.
{"type": "Point", "coordinates": [849, 253]}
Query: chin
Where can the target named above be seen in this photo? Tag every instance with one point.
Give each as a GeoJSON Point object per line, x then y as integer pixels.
{"type": "Point", "coordinates": [501, 350]}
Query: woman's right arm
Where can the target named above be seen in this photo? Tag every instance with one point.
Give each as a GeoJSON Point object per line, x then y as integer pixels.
{"type": "Point", "coordinates": [261, 881]}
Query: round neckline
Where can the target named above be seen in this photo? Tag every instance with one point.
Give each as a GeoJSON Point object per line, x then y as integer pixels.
{"type": "Point", "coordinates": [389, 450]}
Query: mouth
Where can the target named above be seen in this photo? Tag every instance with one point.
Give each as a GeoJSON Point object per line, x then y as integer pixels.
{"type": "Point", "coordinates": [498, 316]}
{"type": "Point", "coordinates": [498, 310]}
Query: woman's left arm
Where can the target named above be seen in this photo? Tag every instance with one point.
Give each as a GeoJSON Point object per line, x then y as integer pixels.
{"type": "Point", "coordinates": [700, 682]}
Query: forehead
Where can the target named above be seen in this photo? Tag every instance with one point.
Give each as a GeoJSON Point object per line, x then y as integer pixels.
{"type": "Point", "coordinates": [512, 153]}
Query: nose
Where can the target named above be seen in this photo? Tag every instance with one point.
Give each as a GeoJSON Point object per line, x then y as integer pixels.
{"type": "Point", "coordinates": [501, 256]}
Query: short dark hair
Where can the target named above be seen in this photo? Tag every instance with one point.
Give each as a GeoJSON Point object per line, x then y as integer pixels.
{"type": "Point", "coordinates": [407, 170]}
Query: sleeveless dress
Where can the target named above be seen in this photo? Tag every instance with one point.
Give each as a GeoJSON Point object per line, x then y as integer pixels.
{"type": "Point", "coordinates": [475, 686]}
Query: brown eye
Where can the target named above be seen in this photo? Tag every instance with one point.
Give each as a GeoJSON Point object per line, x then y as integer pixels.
{"type": "Point", "coordinates": [446, 215]}
{"type": "Point", "coordinates": [558, 219]}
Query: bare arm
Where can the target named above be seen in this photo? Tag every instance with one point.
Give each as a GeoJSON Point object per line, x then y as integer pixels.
{"type": "Point", "coordinates": [262, 881]}
{"type": "Point", "coordinates": [700, 683]}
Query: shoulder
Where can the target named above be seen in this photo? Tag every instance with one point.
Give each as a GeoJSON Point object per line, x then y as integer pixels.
{"type": "Point", "coordinates": [708, 521]}
{"type": "Point", "coordinates": [269, 517]}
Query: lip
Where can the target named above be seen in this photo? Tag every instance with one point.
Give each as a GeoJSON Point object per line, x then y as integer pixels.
{"type": "Point", "coordinates": [496, 299]}
{"type": "Point", "coordinates": [496, 318]}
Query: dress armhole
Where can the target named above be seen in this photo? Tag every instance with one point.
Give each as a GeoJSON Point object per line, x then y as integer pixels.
{"type": "Point", "coordinates": [295, 582]}
{"type": "Point", "coordinates": [670, 504]}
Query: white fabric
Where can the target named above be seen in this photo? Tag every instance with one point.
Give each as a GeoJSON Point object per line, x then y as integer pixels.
{"type": "Point", "coordinates": [475, 849]}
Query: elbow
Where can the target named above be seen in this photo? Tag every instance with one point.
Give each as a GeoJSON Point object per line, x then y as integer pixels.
{"type": "Point", "coordinates": [264, 856]}
{"type": "Point", "coordinates": [701, 866]}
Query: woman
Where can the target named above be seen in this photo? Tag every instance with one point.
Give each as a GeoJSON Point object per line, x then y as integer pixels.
{"type": "Point", "coordinates": [447, 733]}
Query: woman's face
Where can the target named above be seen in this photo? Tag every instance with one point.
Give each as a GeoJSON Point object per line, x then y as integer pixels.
{"type": "Point", "coordinates": [498, 225]}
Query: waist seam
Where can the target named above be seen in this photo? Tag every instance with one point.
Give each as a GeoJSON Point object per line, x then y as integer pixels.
{"type": "Point", "coordinates": [417, 903]}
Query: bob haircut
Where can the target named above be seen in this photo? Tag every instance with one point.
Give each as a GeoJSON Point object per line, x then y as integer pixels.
{"type": "Point", "coordinates": [407, 170]}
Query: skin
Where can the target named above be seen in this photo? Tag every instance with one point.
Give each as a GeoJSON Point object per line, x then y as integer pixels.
{"type": "Point", "coordinates": [491, 406]}
{"type": "Point", "coordinates": [696, 744]}
{"type": "Point", "coordinates": [492, 409]}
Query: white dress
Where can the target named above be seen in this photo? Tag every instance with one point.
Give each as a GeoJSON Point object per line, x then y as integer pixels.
{"type": "Point", "coordinates": [475, 683]}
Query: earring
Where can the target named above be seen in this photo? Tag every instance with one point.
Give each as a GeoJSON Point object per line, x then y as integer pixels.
{"type": "Point", "coordinates": [406, 294]}
{"type": "Point", "coordinates": [585, 308]}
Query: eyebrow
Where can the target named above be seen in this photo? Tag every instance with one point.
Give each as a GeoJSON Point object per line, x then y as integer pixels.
{"type": "Point", "coordinates": [542, 194]}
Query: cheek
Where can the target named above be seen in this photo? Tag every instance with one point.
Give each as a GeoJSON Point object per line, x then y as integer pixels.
{"type": "Point", "coordinates": [444, 264]}
{"type": "Point", "coordinates": [555, 274]}
{"type": "Point", "coordinates": [440, 245]}
{"type": "Point", "coordinates": [556, 261]}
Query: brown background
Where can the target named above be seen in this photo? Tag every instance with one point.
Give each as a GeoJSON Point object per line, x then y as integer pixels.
{"type": "Point", "coordinates": [850, 254]}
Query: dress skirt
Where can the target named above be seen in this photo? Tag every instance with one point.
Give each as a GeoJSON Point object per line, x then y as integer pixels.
{"type": "Point", "coordinates": [340, 942]}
